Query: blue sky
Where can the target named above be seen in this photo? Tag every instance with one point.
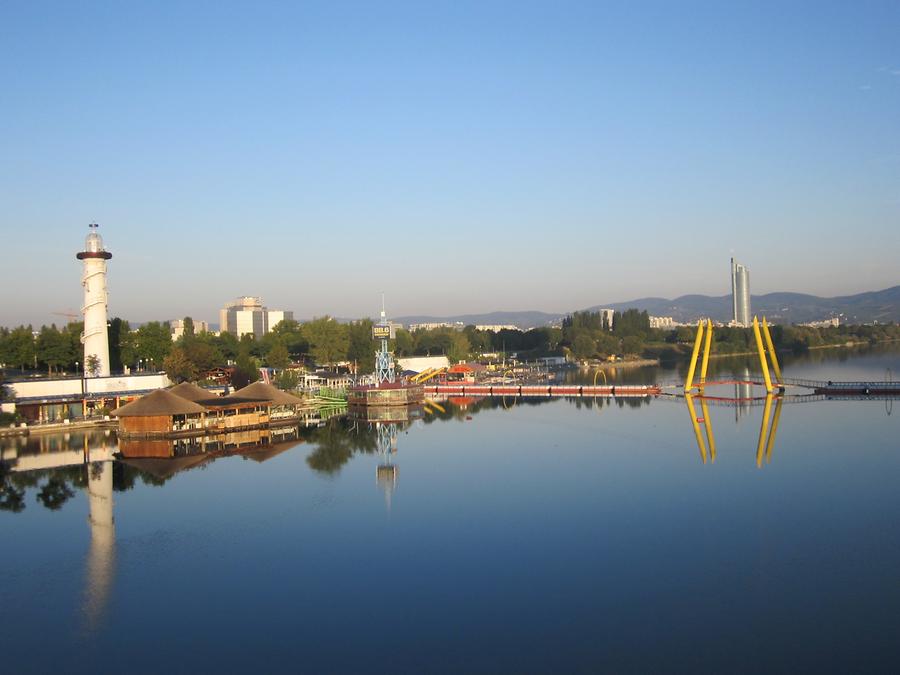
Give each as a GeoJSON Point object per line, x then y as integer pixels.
{"type": "Point", "coordinates": [511, 156]}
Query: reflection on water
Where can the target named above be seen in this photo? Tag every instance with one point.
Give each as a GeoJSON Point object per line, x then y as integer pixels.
{"type": "Point", "coordinates": [768, 429]}
{"type": "Point", "coordinates": [101, 558]}
{"type": "Point", "coordinates": [549, 521]}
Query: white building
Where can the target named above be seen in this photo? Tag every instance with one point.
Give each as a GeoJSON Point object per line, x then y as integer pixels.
{"type": "Point", "coordinates": [740, 294]}
{"type": "Point", "coordinates": [413, 327]}
{"type": "Point", "coordinates": [177, 327]}
{"type": "Point", "coordinates": [276, 316]}
{"type": "Point", "coordinates": [248, 315]}
{"type": "Point", "coordinates": [420, 363]}
{"type": "Point", "coordinates": [833, 322]}
{"type": "Point", "coordinates": [606, 316]}
{"type": "Point", "coordinates": [496, 328]}
{"type": "Point", "coordinates": [662, 322]}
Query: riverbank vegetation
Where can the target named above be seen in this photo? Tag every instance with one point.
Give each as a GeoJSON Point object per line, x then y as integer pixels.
{"type": "Point", "coordinates": [583, 335]}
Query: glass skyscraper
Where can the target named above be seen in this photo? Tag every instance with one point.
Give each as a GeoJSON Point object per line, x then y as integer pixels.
{"type": "Point", "coordinates": [740, 293]}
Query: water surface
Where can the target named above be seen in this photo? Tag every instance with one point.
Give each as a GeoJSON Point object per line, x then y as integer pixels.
{"type": "Point", "coordinates": [500, 535]}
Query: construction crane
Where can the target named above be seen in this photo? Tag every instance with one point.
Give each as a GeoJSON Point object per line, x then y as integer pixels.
{"type": "Point", "coordinates": [71, 315]}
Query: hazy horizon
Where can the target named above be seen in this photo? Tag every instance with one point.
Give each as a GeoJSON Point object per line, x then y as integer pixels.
{"type": "Point", "coordinates": [514, 157]}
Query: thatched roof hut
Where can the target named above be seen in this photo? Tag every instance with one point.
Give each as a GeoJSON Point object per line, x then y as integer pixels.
{"type": "Point", "coordinates": [160, 403]}
{"type": "Point", "coordinates": [191, 392]}
{"type": "Point", "coordinates": [165, 468]}
{"type": "Point", "coordinates": [159, 413]}
{"type": "Point", "coordinates": [266, 392]}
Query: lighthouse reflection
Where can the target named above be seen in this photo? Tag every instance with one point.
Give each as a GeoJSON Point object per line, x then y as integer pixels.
{"type": "Point", "coordinates": [101, 558]}
{"type": "Point", "coordinates": [385, 423]}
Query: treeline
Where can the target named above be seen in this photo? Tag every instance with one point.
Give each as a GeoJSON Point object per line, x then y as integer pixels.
{"type": "Point", "coordinates": [587, 336]}
{"type": "Point", "coordinates": [583, 335]}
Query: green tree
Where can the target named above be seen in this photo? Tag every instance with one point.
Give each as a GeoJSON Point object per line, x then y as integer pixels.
{"type": "Point", "coordinates": [287, 380]}
{"type": "Point", "coordinates": [92, 365]}
{"type": "Point", "coordinates": [459, 347]}
{"type": "Point", "coordinates": [118, 329]}
{"type": "Point", "coordinates": [291, 334]}
{"type": "Point", "coordinates": [631, 322]}
{"type": "Point", "coordinates": [328, 340]}
{"type": "Point", "coordinates": [362, 347]}
{"type": "Point", "coordinates": [54, 349]}
{"type": "Point", "coordinates": [188, 324]}
{"type": "Point", "coordinates": [178, 367]}
{"type": "Point", "coordinates": [584, 346]}
{"type": "Point", "coordinates": [278, 356]}
{"type": "Point", "coordinates": [20, 347]}
{"type": "Point", "coordinates": [150, 342]}
{"type": "Point", "coordinates": [632, 344]}
{"type": "Point", "coordinates": [404, 344]}
{"type": "Point", "coordinates": [228, 345]}
{"type": "Point", "coordinates": [246, 366]}
{"type": "Point", "coordinates": [202, 353]}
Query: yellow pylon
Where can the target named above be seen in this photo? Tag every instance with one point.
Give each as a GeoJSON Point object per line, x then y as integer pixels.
{"type": "Point", "coordinates": [707, 347]}
{"type": "Point", "coordinates": [689, 381]}
{"type": "Point", "coordinates": [772, 356]}
{"type": "Point", "coordinates": [762, 356]}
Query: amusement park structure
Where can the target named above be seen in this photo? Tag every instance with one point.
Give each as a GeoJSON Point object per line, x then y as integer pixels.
{"type": "Point", "coordinates": [387, 390]}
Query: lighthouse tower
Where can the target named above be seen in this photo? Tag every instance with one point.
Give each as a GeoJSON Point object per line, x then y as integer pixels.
{"type": "Point", "coordinates": [93, 278]}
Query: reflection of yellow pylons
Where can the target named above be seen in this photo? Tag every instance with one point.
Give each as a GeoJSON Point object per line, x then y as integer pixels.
{"type": "Point", "coordinates": [768, 429]}
{"type": "Point", "coordinates": [707, 423]}
{"type": "Point", "coordinates": [769, 442]}
{"type": "Point", "coordinates": [429, 403]}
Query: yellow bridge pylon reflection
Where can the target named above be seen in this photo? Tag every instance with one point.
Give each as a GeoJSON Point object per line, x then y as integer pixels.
{"type": "Point", "coordinates": [768, 360]}
{"type": "Point", "coordinates": [768, 428]}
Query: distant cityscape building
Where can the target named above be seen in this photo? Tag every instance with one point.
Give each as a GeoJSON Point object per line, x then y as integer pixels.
{"type": "Point", "coordinates": [413, 327]}
{"type": "Point", "coordinates": [276, 316]}
{"type": "Point", "coordinates": [607, 317]}
{"type": "Point", "coordinates": [662, 322]}
{"type": "Point", "coordinates": [740, 294]}
{"type": "Point", "coordinates": [248, 315]}
{"type": "Point", "coordinates": [496, 328]}
{"type": "Point", "coordinates": [833, 322]}
{"type": "Point", "coordinates": [177, 327]}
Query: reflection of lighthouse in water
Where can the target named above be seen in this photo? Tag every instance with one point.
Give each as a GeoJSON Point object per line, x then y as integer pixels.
{"type": "Point", "coordinates": [386, 473]}
{"type": "Point", "coordinates": [101, 558]}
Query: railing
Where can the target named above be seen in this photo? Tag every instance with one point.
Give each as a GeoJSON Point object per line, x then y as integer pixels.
{"type": "Point", "coordinates": [830, 384]}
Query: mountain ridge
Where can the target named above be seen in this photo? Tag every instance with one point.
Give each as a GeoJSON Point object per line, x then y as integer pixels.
{"type": "Point", "coordinates": [780, 307]}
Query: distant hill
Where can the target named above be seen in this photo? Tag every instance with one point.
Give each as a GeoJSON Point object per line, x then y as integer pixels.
{"type": "Point", "coordinates": [882, 306]}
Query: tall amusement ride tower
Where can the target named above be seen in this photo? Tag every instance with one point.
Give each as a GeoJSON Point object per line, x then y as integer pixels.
{"type": "Point", "coordinates": [93, 278]}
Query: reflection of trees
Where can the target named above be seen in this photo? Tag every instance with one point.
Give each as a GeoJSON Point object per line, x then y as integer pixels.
{"type": "Point", "coordinates": [337, 442]}
{"type": "Point", "coordinates": [12, 497]}
{"type": "Point", "coordinates": [125, 477]}
{"type": "Point", "coordinates": [58, 486]}
{"type": "Point", "coordinates": [452, 411]}
{"type": "Point", "coordinates": [54, 493]}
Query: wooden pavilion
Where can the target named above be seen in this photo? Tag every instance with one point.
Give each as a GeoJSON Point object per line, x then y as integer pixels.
{"type": "Point", "coordinates": [160, 413]}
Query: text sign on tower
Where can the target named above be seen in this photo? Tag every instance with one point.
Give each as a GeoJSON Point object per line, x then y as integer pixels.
{"type": "Point", "coordinates": [383, 332]}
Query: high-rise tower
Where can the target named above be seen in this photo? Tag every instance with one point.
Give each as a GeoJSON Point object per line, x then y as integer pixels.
{"type": "Point", "coordinates": [94, 338]}
{"type": "Point", "coordinates": [740, 294]}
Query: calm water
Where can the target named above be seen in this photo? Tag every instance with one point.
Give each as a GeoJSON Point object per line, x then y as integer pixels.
{"type": "Point", "coordinates": [500, 536]}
